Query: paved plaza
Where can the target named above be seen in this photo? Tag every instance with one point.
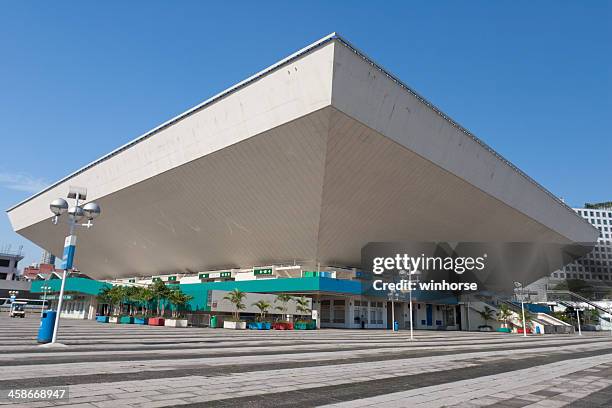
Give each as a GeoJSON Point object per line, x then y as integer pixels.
{"type": "Point", "coordinates": [114, 366]}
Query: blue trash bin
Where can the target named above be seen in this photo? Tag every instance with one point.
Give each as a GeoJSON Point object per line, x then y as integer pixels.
{"type": "Point", "coordinates": [395, 326]}
{"type": "Point", "coordinates": [45, 331]}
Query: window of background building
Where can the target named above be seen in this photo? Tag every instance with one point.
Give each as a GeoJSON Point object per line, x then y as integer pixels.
{"type": "Point", "coordinates": [5, 263]}
{"type": "Point", "coordinates": [339, 310]}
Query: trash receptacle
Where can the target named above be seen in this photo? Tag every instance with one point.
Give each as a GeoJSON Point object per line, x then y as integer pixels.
{"type": "Point", "coordinates": [395, 326]}
{"type": "Point", "coordinates": [213, 322]}
{"type": "Point", "coordinates": [45, 331]}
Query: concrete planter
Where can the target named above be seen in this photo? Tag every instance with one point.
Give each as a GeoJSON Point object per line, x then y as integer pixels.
{"type": "Point", "coordinates": [305, 325]}
{"type": "Point", "coordinates": [283, 326]}
{"type": "Point", "coordinates": [176, 322]}
{"type": "Point", "coordinates": [113, 319]}
{"type": "Point", "coordinates": [504, 330]}
{"type": "Point", "coordinates": [260, 326]}
{"type": "Point", "coordinates": [102, 319]}
{"type": "Point", "coordinates": [156, 321]}
{"type": "Point", "coordinates": [234, 325]}
{"type": "Point", "coordinates": [141, 320]}
{"type": "Point", "coordinates": [126, 320]}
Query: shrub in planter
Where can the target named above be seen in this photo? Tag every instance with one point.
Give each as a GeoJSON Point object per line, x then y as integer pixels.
{"type": "Point", "coordinates": [305, 325]}
{"type": "Point", "coordinates": [156, 321]}
{"type": "Point", "coordinates": [176, 322]}
{"type": "Point", "coordinates": [260, 325]}
{"type": "Point", "coordinates": [235, 325]}
{"type": "Point", "coordinates": [113, 319]}
{"type": "Point", "coordinates": [102, 319]}
{"type": "Point", "coordinates": [126, 320]}
{"type": "Point", "coordinates": [504, 330]}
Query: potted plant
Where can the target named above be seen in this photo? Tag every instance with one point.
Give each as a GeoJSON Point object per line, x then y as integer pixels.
{"type": "Point", "coordinates": [177, 299]}
{"type": "Point", "coordinates": [142, 297]}
{"type": "Point", "coordinates": [528, 317]}
{"type": "Point", "coordinates": [301, 305]}
{"type": "Point", "coordinates": [283, 299]}
{"type": "Point", "coordinates": [503, 315]}
{"type": "Point", "coordinates": [263, 306]}
{"type": "Point", "coordinates": [236, 297]}
{"type": "Point", "coordinates": [104, 299]}
{"type": "Point", "coordinates": [159, 292]}
{"type": "Point", "coordinates": [486, 315]}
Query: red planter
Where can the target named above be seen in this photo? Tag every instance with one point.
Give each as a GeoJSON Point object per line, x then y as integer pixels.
{"type": "Point", "coordinates": [283, 326]}
{"type": "Point", "coordinates": [156, 321]}
{"type": "Point", "coordinates": [521, 330]}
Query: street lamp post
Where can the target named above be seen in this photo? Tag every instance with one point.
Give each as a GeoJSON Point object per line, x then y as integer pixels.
{"type": "Point", "coordinates": [75, 213]}
{"type": "Point", "coordinates": [13, 294]}
{"type": "Point", "coordinates": [520, 285]}
{"type": "Point", "coordinates": [393, 296]}
{"type": "Point", "coordinates": [578, 317]}
{"type": "Point", "coordinates": [45, 289]}
{"type": "Point", "coordinates": [410, 274]}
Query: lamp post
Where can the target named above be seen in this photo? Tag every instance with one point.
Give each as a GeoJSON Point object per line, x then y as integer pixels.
{"type": "Point", "coordinates": [45, 289]}
{"type": "Point", "coordinates": [410, 274]}
{"type": "Point", "coordinates": [76, 213]}
{"type": "Point", "coordinates": [393, 296]}
{"type": "Point", "coordinates": [13, 294]}
{"type": "Point", "coordinates": [578, 317]}
{"type": "Point", "coordinates": [518, 285]}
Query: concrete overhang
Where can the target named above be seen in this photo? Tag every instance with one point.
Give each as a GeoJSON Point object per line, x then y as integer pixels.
{"type": "Point", "coordinates": [306, 161]}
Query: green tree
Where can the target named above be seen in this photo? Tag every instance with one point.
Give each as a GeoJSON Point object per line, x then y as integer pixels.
{"type": "Point", "coordinates": [301, 305]}
{"type": "Point", "coordinates": [146, 296]}
{"type": "Point", "coordinates": [283, 299]}
{"type": "Point", "coordinates": [264, 307]}
{"type": "Point", "coordinates": [178, 299]}
{"type": "Point", "coordinates": [236, 297]}
{"type": "Point", "coordinates": [504, 314]}
{"type": "Point", "coordinates": [104, 297]}
{"type": "Point", "coordinates": [160, 292]}
{"type": "Point", "coordinates": [486, 314]}
{"type": "Point", "coordinates": [528, 319]}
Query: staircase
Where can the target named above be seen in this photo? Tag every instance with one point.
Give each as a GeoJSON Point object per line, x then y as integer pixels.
{"type": "Point", "coordinates": [562, 295]}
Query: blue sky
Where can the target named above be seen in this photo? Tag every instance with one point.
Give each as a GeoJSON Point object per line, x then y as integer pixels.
{"type": "Point", "coordinates": [78, 79]}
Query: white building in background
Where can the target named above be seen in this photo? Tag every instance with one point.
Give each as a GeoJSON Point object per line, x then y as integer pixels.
{"type": "Point", "coordinates": [9, 262]}
{"type": "Point", "coordinates": [595, 267]}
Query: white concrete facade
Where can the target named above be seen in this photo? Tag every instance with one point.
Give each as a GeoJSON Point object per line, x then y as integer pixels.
{"type": "Point", "coordinates": [308, 160]}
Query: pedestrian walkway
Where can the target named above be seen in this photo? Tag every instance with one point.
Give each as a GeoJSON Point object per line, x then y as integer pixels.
{"type": "Point", "coordinates": [115, 366]}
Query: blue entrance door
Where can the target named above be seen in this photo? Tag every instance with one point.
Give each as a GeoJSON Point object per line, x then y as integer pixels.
{"type": "Point", "coordinates": [429, 315]}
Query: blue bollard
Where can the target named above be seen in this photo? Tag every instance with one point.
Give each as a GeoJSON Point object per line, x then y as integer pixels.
{"type": "Point", "coordinates": [45, 331]}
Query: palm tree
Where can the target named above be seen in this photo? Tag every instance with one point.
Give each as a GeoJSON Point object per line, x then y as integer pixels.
{"type": "Point", "coordinates": [104, 297]}
{"type": "Point", "coordinates": [486, 315]}
{"type": "Point", "coordinates": [178, 299]}
{"type": "Point", "coordinates": [283, 298]}
{"type": "Point", "coordinates": [302, 305]}
{"type": "Point", "coordinates": [528, 318]}
{"type": "Point", "coordinates": [115, 295]}
{"type": "Point", "coordinates": [236, 297]}
{"type": "Point", "coordinates": [504, 315]}
{"type": "Point", "coordinates": [160, 291]}
{"type": "Point", "coordinates": [146, 296]}
{"type": "Point", "coordinates": [132, 296]}
{"type": "Point", "coordinates": [263, 306]}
